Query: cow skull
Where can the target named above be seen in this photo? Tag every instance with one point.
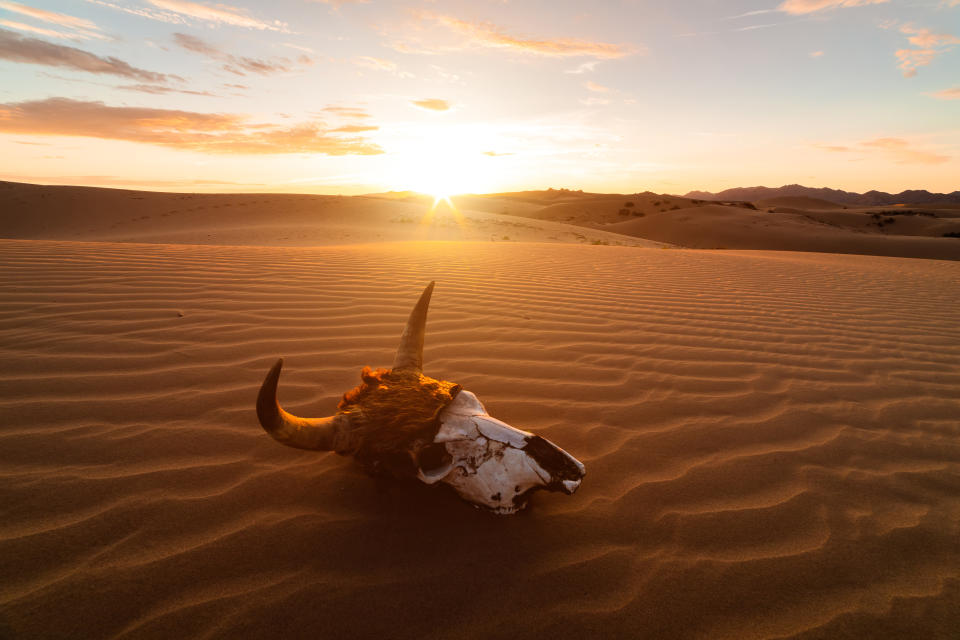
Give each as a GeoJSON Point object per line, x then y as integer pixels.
{"type": "Point", "coordinates": [402, 423]}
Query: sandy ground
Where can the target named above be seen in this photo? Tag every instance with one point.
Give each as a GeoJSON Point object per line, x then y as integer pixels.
{"type": "Point", "coordinates": [771, 442]}
{"type": "Point", "coordinates": [116, 215]}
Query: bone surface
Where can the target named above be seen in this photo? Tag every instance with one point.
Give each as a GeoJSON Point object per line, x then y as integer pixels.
{"type": "Point", "coordinates": [401, 418]}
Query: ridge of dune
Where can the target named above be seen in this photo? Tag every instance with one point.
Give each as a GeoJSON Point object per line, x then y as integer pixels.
{"type": "Point", "coordinates": [770, 438]}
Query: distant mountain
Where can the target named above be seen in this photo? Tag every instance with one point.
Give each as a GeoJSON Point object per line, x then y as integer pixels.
{"type": "Point", "coordinates": [868, 199]}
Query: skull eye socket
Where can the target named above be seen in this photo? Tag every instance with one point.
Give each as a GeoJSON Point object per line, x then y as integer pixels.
{"type": "Point", "coordinates": [434, 457]}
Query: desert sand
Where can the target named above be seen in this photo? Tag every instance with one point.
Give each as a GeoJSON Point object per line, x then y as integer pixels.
{"type": "Point", "coordinates": [771, 438]}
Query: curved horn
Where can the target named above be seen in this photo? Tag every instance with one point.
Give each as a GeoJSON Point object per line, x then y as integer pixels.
{"type": "Point", "coordinates": [302, 433]}
{"type": "Point", "coordinates": [410, 353]}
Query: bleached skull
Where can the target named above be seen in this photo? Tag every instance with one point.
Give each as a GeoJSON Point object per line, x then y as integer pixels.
{"type": "Point", "coordinates": [402, 423]}
{"type": "Point", "coordinates": [492, 464]}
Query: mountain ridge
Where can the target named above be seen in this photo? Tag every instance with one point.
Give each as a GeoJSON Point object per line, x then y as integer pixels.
{"type": "Point", "coordinates": [870, 198]}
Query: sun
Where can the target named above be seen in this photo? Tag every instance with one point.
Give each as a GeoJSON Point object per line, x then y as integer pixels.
{"type": "Point", "coordinates": [445, 161]}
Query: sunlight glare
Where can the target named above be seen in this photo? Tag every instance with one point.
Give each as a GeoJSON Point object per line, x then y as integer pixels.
{"type": "Point", "coordinates": [443, 161]}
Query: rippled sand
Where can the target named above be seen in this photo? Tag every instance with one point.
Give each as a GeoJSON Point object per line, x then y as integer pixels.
{"type": "Point", "coordinates": [772, 443]}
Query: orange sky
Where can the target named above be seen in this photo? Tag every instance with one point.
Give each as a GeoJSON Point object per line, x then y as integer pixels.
{"type": "Point", "coordinates": [448, 97]}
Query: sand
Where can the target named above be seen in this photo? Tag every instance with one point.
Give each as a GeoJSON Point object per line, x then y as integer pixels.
{"type": "Point", "coordinates": [771, 441]}
{"type": "Point", "coordinates": [85, 213]}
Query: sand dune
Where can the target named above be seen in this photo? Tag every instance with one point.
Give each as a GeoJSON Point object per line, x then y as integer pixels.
{"type": "Point", "coordinates": [770, 438]}
{"type": "Point", "coordinates": [716, 226]}
{"type": "Point", "coordinates": [116, 215]}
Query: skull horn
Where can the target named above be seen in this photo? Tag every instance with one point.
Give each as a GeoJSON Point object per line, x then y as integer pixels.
{"type": "Point", "coordinates": [303, 433]}
{"type": "Point", "coordinates": [410, 353]}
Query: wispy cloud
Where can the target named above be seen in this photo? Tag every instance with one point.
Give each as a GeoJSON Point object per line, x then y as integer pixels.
{"type": "Point", "coordinates": [904, 153]}
{"type": "Point", "coordinates": [377, 64]}
{"type": "Point", "coordinates": [78, 27]}
{"type": "Point", "coordinates": [18, 48]}
{"type": "Point", "coordinates": [221, 133]}
{"type": "Point", "coordinates": [336, 4]}
{"type": "Point", "coordinates": [758, 12]}
{"type": "Point", "coordinates": [40, 31]}
{"type": "Point", "coordinates": [355, 128]}
{"type": "Point", "coordinates": [159, 89]}
{"type": "Point", "coordinates": [218, 14]}
{"type": "Point", "coordinates": [800, 7]}
{"type": "Point", "coordinates": [759, 26]}
{"type": "Point", "coordinates": [929, 44]}
{"type": "Point", "coordinates": [597, 88]}
{"type": "Point", "coordinates": [432, 104]}
{"type": "Point", "coordinates": [347, 112]}
{"type": "Point", "coordinates": [491, 36]}
{"type": "Point", "coordinates": [816, 54]}
{"type": "Point", "coordinates": [237, 65]}
{"type": "Point", "coordinates": [586, 67]}
{"type": "Point", "coordinates": [151, 14]}
{"type": "Point", "coordinates": [948, 94]}
{"type": "Point", "coordinates": [900, 150]}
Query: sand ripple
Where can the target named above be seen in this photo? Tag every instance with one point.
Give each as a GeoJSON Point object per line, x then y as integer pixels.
{"type": "Point", "coordinates": [772, 441]}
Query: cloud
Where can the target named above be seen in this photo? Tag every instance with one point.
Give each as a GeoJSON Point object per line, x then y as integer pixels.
{"type": "Point", "coordinates": [931, 45]}
{"type": "Point", "coordinates": [355, 128]}
{"type": "Point", "coordinates": [833, 147]}
{"type": "Point", "coordinates": [159, 89]}
{"type": "Point", "coordinates": [160, 16]}
{"type": "Point", "coordinates": [948, 94]}
{"type": "Point", "coordinates": [432, 104]}
{"type": "Point", "coordinates": [218, 14]}
{"type": "Point", "coordinates": [196, 45]}
{"type": "Point", "coordinates": [185, 130]}
{"type": "Point", "coordinates": [377, 64]}
{"type": "Point", "coordinates": [487, 35]}
{"type": "Point", "coordinates": [899, 149]}
{"type": "Point", "coordinates": [800, 7]}
{"type": "Point", "coordinates": [81, 27]}
{"type": "Point", "coordinates": [336, 4]}
{"type": "Point", "coordinates": [748, 14]}
{"type": "Point", "coordinates": [237, 65]}
{"type": "Point", "coordinates": [583, 68]}
{"type": "Point", "coordinates": [29, 28]}
{"type": "Point", "coordinates": [926, 39]}
{"type": "Point", "coordinates": [598, 88]}
{"type": "Point", "coordinates": [347, 112]}
{"type": "Point", "coordinates": [494, 154]}
{"type": "Point", "coordinates": [816, 54]}
{"type": "Point", "coordinates": [17, 48]}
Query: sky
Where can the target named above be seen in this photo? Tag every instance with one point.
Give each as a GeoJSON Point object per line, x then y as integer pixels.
{"type": "Point", "coordinates": [445, 97]}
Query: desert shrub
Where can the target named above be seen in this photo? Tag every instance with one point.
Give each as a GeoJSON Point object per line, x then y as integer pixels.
{"type": "Point", "coordinates": [674, 207]}
{"type": "Point", "coordinates": [750, 205]}
{"type": "Point", "coordinates": [656, 203]}
{"type": "Point", "coordinates": [624, 212]}
{"type": "Point", "coordinates": [599, 242]}
{"type": "Point", "coordinates": [628, 204]}
{"type": "Point", "coordinates": [889, 220]}
{"type": "Point", "coordinates": [952, 234]}
{"type": "Point", "coordinates": [638, 214]}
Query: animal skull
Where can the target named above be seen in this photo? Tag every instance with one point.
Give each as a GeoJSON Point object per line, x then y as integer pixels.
{"type": "Point", "coordinates": [402, 423]}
